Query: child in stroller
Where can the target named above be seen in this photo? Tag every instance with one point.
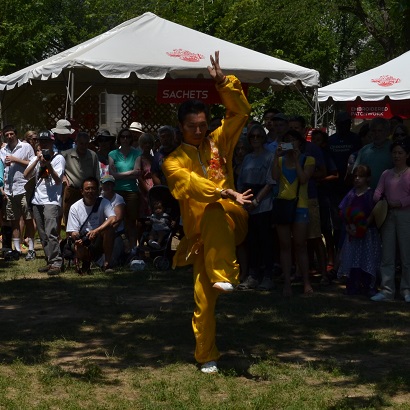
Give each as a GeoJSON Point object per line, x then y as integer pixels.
{"type": "Point", "coordinates": [156, 241]}
{"type": "Point", "coordinates": [160, 225]}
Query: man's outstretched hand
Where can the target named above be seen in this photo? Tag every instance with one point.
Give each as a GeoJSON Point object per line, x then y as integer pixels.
{"type": "Point", "coordinates": [215, 71]}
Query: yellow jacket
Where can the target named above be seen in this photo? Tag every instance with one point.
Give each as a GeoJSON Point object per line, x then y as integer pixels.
{"type": "Point", "coordinates": [193, 174]}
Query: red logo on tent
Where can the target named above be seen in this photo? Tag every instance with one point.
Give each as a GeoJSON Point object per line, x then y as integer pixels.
{"type": "Point", "coordinates": [186, 55]}
{"type": "Point", "coordinates": [386, 80]}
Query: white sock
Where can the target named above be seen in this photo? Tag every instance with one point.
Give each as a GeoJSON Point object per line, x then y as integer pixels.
{"type": "Point", "coordinates": [31, 244]}
{"type": "Point", "coordinates": [16, 243]}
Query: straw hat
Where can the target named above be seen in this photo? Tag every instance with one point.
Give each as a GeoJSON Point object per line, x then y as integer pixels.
{"type": "Point", "coordinates": [136, 126]}
{"type": "Point", "coordinates": [380, 212]}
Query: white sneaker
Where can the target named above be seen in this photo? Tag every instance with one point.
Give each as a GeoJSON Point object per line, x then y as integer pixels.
{"type": "Point", "coordinates": [266, 284]}
{"type": "Point", "coordinates": [379, 297]}
{"type": "Point", "coordinates": [249, 283]}
{"type": "Point", "coordinates": [407, 298]}
{"type": "Point", "coordinates": [223, 286]}
{"type": "Point", "coordinates": [209, 367]}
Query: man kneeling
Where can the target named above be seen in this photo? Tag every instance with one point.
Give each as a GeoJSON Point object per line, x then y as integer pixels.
{"type": "Point", "coordinates": [90, 226]}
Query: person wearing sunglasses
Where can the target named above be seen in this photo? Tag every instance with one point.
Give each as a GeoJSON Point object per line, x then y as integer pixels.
{"type": "Point", "coordinates": [400, 132]}
{"type": "Point", "coordinates": [124, 168]}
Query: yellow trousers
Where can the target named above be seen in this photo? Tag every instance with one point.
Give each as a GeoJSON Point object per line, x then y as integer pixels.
{"type": "Point", "coordinates": [223, 227]}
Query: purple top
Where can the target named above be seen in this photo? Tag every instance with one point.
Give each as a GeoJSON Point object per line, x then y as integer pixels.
{"type": "Point", "coordinates": [394, 188]}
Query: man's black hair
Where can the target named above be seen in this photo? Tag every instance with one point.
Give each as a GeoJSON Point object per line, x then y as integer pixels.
{"type": "Point", "coordinates": [90, 179]}
{"type": "Point", "coordinates": [192, 107]}
{"type": "Point", "coordinates": [8, 128]}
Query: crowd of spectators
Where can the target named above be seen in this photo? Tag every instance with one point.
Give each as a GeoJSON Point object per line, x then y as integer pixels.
{"type": "Point", "coordinates": [52, 180]}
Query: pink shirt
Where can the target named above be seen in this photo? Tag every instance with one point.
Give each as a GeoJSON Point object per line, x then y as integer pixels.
{"type": "Point", "coordinates": [394, 188]}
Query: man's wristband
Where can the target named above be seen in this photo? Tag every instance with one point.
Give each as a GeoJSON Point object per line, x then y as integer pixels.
{"type": "Point", "coordinates": [223, 81]}
{"type": "Point", "coordinates": [255, 202]}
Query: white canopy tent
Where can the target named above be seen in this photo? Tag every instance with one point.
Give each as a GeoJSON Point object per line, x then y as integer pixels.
{"type": "Point", "coordinates": [148, 48]}
{"type": "Point", "coordinates": [391, 80]}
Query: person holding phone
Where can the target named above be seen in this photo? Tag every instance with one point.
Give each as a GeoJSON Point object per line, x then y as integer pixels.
{"type": "Point", "coordinates": [291, 168]}
{"type": "Point", "coordinates": [48, 170]}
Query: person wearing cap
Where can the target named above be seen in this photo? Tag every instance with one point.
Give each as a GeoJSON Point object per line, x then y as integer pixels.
{"type": "Point", "coordinates": [15, 156]}
{"type": "Point", "coordinates": [81, 163]}
{"type": "Point", "coordinates": [136, 131]}
{"type": "Point", "coordinates": [47, 168]}
{"type": "Point", "coordinates": [121, 243]}
{"type": "Point", "coordinates": [62, 133]}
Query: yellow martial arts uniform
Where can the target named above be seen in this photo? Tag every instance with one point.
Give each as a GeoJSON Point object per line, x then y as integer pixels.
{"type": "Point", "coordinates": [213, 226]}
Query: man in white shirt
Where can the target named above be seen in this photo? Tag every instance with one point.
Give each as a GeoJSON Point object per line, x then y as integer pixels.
{"type": "Point", "coordinates": [48, 169]}
{"type": "Point", "coordinates": [16, 156]}
{"type": "Point", "coordinates": [90, 226]}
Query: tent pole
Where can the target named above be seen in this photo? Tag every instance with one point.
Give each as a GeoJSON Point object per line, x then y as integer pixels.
{"type": "Point", "coordinates": [72, 97]}
{"type": "Point", "coordinates": [316, 103]}
{"type": "Point", "coordinates": [67, 87]}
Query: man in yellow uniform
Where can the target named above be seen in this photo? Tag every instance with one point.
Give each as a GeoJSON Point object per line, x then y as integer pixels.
{"type": "Point", "coordinates": [199, 174]}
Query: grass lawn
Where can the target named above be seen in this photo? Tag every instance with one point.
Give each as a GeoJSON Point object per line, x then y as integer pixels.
{"type": "Point", "coordinates": [124, 341]}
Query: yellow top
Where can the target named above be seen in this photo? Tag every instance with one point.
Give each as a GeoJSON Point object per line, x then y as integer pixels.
{"type": "Point", "coordinates": [196, 175]}
{"type": "Point", "coordinates": [287, 189]}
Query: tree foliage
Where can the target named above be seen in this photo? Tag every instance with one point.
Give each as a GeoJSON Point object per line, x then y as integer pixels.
{"type": "Point", "coordinates": [335, 37]}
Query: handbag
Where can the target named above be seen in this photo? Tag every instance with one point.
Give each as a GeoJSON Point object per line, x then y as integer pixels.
{"type": "Point", "coordinates": [284, 210]}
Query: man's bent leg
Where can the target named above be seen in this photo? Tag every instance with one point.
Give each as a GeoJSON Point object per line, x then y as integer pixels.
{"type": "Point", "coordinates": [223, 227]}
{"type": "Point", "coordinates": [203, 320]}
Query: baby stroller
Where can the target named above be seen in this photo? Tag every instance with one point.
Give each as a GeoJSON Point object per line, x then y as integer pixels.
{"type": "Point", "coordinates": [163, 255]}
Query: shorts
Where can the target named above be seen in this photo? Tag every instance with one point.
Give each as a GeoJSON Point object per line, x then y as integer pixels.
{"type": "Point", "coordinates": [314, 228]}
{"type": "Point", "coordinates": [16, 207]}
{"type": "Point", "coordinates": [131, 200]}
{"type": "Point", "coordinates": [302, 216]}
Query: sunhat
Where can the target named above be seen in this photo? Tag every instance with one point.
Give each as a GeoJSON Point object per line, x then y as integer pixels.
{"type": "Point", "coordinates": [63, 127]}
{"type": "Point", "coordinates": [379, 212]}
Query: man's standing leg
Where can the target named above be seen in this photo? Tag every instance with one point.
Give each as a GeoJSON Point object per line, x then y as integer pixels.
{"type": "Point", "coordinates": [51, 217]}
{"type": "Point", "coordinates": [223, 227]}
{"type": "Point", "coordinates": [203, 320]}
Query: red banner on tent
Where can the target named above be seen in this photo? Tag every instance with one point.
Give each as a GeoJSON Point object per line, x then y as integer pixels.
{"type": "Point", "coordinates": [179, 90]}
{"type": "Point", "coordinates": [385, 109]}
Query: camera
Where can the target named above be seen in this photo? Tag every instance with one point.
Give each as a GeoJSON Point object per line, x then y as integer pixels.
{"type": "Point", "coordinates": [286, 146]}
{"type": "Point", "coordinates": [46, 154]}
{"type": "Point", "coordinates": [86, 240]}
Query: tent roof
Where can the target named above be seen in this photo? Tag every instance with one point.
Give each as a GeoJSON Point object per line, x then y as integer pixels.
{"type": "Point", "coordinates": [391, 80]}
{"type": "Point", "coordinates": [153, 48]}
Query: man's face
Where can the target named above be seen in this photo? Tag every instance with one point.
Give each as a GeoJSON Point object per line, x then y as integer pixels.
{"type": "Point", "coordinates": [62, 137]}
{"type": "Point", "coordinates": [280, 128]}
{"type": "Point", "coordinates": [11, 137]}
{"type": "Point", "coordinates": [343, 127]}
{"type": "Point", "coordinates": [379, 135]}
{"type": "Point", "coordinates": [82, 145]}
{"type": "Point", "coordinates": [46, 144]}
{"type": "Point", "coordinates": [194, 128]}
{"type": "Point", "coordinates": [89, 191]}
{"type": "Point", "coordinates": [297, 126]}
{"type": "Point", "coordinates": [167, 139]}
{"type": "Point", "coordinates": [268, 121]}
{"type": "Point", "coordinates": [107, 187]}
